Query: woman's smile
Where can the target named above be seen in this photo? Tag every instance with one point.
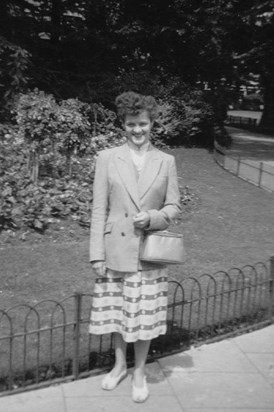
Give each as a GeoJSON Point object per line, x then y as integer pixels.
{"type": "Point", "coordinates": [138, 128]}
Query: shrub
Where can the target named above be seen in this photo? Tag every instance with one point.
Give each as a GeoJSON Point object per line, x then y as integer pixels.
{"type": "Point", "coordinates": [54, 131]}
{"type": "Point", "coordinates": [185, 118]}
{"type": "Point", "coordinates": [51, 129]}
{"type": "Point", "coordinates": [24, 203]}
{"type": "Point", "coordinates": [252, 101]}
{"type": "Point", "coordinates": [15, 62]}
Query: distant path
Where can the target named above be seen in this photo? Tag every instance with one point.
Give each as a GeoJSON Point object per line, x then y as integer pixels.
{"type": "Point", "coordinates": [250, 145]}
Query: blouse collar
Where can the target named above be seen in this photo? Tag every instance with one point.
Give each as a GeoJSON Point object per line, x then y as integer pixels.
{"type": "Point", "coordinates": [142, 150]}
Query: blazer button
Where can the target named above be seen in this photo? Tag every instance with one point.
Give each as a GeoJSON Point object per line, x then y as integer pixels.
{"type": "Point", "coordinates": [123, 234]}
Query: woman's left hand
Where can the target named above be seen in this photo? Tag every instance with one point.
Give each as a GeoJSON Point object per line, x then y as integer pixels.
{"type": "Point", "coordinates": [141, 220]}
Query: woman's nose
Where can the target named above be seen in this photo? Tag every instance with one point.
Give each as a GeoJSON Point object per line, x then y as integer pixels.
{"type": "Point", "coordinates": [137, 129]}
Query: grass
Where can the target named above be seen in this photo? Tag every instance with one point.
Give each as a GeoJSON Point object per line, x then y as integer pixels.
{"type": "Point", "coordinates": [231, 227]}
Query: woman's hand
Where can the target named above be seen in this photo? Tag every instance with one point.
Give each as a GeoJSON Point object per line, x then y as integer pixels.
{"type": "Point", "coordinates": [99, 267]}
{"type": "Point", "coordinates": [141, 220]}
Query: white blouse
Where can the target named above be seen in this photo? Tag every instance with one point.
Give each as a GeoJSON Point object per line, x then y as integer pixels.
{"type": "Point", "coordinates": [138, 156]}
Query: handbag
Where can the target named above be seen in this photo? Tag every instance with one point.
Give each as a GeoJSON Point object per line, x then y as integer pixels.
{"type": "Point", "coordinates": [163, 247]}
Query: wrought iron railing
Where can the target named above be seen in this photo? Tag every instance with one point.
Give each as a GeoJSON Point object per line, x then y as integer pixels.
{"type": "Point", "coordinates": [49, 342]}
{"type": "Point", "coordinates": [259, 173]}
{"type": "Point", "coordinates": [242, 121]}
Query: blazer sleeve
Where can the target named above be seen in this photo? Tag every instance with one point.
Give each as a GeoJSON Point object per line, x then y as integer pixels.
{"type": "Point", "coordinates": [99, 209]}
{"type": "Point", "coordinates": [161, 219]}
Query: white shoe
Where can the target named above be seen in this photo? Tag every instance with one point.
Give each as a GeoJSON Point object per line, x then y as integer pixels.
{"type": "Point", "coordinates": [109, 382]}
{"type": "Point", "coordinates": [140, 394]}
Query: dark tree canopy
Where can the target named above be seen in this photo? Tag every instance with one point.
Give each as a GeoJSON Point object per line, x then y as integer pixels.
{"type": "Point", "coordinates": [77, 45]}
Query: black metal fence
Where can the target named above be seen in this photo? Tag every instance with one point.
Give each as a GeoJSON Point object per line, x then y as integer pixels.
{"type": "Point", "coordinates": [49, 342]}
{"type": "Point", "coordinates": [259, 173]}
{"type": "Point", "coordinates": [242, 121]}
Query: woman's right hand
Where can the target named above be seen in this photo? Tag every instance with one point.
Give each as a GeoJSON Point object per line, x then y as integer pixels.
{"type": "Point", "coordinates": [99, 267]}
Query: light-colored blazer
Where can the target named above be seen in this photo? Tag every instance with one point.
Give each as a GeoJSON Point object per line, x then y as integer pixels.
{"type": "Point", "coordinates": [118, 196]}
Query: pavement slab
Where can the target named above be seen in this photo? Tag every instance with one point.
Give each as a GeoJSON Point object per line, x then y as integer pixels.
{"type": "Point", "coordinates": [91, 387]}
{"type": "Point", "coordinates": [43, 400]}
{"type": "Point", "coordinates": [226, 390]}
{"type": "Point", "coordinates": [123, 404]}
{"type": "Point", "coordinates": [223, 356]}
{"type": "Point", "coordinates": [234, 375]}
{"type": "Point", "coordinates": [264, 362]}
{"type": "Point", "coordinates": [260, 341]}
{"type": "Point", "coordinates": [227, 410]}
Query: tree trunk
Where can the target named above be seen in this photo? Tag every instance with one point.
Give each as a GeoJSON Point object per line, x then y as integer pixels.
{"type": "Point", "coordinates": [4, 19]}
{"type": "Point", "coordinates": [68, 164]}
{"type": "Point", "coordinates": [267, 121]}
{"type": "Point", "coordinates": [33, 165]}
{"type": "Point", "coordinates": [56, 15]}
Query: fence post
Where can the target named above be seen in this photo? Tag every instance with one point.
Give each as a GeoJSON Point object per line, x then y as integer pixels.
{"type": "Point", "coordinates": [238, 166]}
{"type": "Point", "coordinates": [76, 335]}
{"type": "Point", "coordinates": [260, 174]}
{"type": "Point", "coordinates": [271, 288]}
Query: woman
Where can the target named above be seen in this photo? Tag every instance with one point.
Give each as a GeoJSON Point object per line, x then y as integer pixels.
{"type": "Point", "coordinates": [135, 189]}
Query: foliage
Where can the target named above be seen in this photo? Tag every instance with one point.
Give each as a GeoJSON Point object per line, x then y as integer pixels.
{"type": "Point", "coordinates": [252, 101]}
{"type": "Point", "coordinates": [24, 203]}
{"type": "Point", "coordinates": [56, 131]}
{"type": "Point", "coordinates": [185, 118]}
{"type": "Point", "coordinates": [81, 48]}
{"type": "Point", "coordinates": [44, 123]}
{"type": "Point", "coordinates": [14, 62]}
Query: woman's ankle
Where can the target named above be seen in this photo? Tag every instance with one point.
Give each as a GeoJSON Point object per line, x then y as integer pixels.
{"type": "Point", "coordinates": [118, 369]}
{"type": "Point", "coordinates": [138, 376]}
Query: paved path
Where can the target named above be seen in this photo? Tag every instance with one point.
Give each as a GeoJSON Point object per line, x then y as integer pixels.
{"type": "Point", "coordinates": [251, 145]}
{"type": "Point", "coordinates": [235, 375]}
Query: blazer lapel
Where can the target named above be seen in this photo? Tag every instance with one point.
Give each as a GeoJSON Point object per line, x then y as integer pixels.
{"type": "Point", "coordinates": [150, 171]}
{"type": "Point", "coordinates": [126, 171]}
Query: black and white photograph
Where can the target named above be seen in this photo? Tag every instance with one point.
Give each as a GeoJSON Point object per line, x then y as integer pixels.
{"type": "Point", "coordinates": [136, 205]}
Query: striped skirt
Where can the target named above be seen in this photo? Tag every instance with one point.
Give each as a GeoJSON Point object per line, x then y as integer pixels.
{"type": "Point", "coordinates": [132, 304]}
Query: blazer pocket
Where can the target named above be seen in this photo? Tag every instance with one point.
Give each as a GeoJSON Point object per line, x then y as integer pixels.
{"type": "Point", "coordinates": [108, 228]}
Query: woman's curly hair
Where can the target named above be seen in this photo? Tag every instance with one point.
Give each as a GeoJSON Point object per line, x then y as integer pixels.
{"type": "Point", "coordinates": [134, 103]}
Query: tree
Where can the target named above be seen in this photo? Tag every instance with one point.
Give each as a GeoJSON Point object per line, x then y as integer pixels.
{"type": "Point", "coordinates": [84, 48]}
{"type": "Point", "coordinates": [13, 74]}
{"type": "Point", "coordinates": [258, 56]}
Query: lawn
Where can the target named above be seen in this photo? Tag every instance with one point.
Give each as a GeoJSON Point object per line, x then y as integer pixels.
{"type": "Point", "coordinates": [232, 226]}
{"type": "Point", "coordinates": [229, 226]}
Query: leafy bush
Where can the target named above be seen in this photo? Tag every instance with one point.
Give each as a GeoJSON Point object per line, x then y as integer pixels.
{"type": "Point", "coordinates": [13, 74]}
{"type": "Point", "coordinates": [252, 101]}
{"type": "Point", "coordinates": [47, 160]}
{"type": "Point", "coordinates": [51, 129]}
{"type": "Point", "coordinates": [185, 118]}
{"type": "Point", "coordinates": [55, 133]}
{"type": "Point", "coordinates": [24, 203]}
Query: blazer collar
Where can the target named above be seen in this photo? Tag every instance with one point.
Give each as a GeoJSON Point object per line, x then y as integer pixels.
{"type": "Point", "coordinates": [125, 167]}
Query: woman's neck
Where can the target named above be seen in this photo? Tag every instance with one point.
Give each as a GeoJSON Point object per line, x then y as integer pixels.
{"type": "Point", "coordinates": [142, 148]}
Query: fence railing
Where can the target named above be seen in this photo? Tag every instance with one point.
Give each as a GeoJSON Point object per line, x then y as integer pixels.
{"type": "Point", "coordinates": [259, 173]}
{"type": "Point", "coordinates": [242, 121]}
{"type": "Point", "coordinates": [49, 342]}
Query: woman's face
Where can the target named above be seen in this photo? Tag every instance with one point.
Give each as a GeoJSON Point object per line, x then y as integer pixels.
{"type": "Point", "coordinates": [138, 128]}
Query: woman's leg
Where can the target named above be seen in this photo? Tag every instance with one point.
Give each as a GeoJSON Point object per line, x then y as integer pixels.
{"type": "Point", "coordinates": [120, 348]}
{"type": "Point", "coordinates": [141, 348]}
